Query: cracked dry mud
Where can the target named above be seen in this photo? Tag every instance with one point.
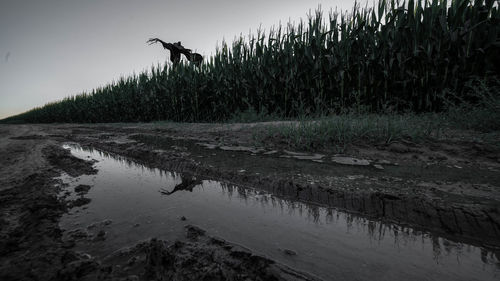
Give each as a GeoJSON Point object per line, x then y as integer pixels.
{"type": "Point", "coordinates": [448, 188]}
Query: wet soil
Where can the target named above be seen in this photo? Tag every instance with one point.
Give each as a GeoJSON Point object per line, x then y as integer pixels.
{"type": "Point", "coordinates": [449, 188]}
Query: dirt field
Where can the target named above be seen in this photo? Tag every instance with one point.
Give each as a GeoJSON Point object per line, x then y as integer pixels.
{"type": "Point", "coordinates": [451, 188]}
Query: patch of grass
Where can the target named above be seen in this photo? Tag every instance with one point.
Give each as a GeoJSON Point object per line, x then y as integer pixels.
{"type": "Point", "coordinates": [479, 109]}
{"type": "Point", "coordinates": [336, 132]}
{"type": "Point", "coordinates": [251, 115]}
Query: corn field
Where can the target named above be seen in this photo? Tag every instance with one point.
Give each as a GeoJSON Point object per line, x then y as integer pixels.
{"type": "Point", "coordinates": [404, 55]}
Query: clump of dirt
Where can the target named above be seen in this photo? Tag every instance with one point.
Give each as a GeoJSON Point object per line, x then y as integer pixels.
{"type": "Point", "coordinates": [199, 257]}
{"type": "Point", "coordinates": [73, 166]}
{"type": "Point", "coordinates": [79, 202]}
{"type": "Point", "coordinates": [208, 258]}
{"type": "Point", "coordinates": [82, 189]}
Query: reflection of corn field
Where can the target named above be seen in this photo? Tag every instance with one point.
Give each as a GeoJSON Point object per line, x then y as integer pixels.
{"type": "Point", "coordinates": [386, 56]}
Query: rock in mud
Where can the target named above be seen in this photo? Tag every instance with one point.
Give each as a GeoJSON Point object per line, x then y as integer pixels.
{"type": "Point", "coordinates": [254, 150]}
{"type": "Point", "coordinates": [313, 157]}
{"type": "Point", "coordinates": [68, 244]}
{"type": "Point", "coordinates": [82, 189]}
{"type": "Point", "coordinates": [100, 236]}
{"type": "Point", "coordinates": [302, 156]}
{"type": "Point", "coordinates": [289, 252]}
{"type": "Point", "coordinates": [398, 148]}
{"type": "Point", "coordinates": [77, 269]}
{"type": "Point", "coordinates": [99, 224]}
{"type": "Point", "coordinates": [193, 232]}
{"type": "Point", "coordinates": [132, 260]}
{"type": "Point", "coordinates": [344, 160]}
{"type": "Point", "coordinates": [79, 202]}
{"type": "Point", "coordinates": [78, 233]}
{"type": "Point", "coordinates": [385, 162]}
{"type": "Point", "coordinates": [207, 145]}
{"type": "Point", "coordinates": [293, 153]}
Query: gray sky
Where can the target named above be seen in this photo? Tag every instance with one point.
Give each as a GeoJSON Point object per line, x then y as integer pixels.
{"type": "Point", "coordinates": [50, 49]}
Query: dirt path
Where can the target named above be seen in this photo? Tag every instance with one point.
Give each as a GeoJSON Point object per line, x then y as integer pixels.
{"type": "Point", "coordinates": [451, 188]}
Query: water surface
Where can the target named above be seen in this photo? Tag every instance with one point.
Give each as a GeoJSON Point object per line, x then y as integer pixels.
{"type": "Point", "coordinates": [144, 203]}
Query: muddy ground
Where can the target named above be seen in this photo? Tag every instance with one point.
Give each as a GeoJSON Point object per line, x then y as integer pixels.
{"type": "Point", "coordinates": [449, 187]}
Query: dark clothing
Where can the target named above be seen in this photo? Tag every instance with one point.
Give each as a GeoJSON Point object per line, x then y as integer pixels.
{"type": "Point", "coordinates": [176, 49]}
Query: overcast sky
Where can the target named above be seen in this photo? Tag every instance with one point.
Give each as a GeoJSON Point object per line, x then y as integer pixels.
{"type": "Point", "coordinates": [50, 49]}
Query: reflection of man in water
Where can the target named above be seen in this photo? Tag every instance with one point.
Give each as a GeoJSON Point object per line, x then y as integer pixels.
{"type": "Point", "coordinates": [186, 184]}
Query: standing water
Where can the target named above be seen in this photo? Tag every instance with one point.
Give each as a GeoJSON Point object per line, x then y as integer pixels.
{"type": "Point", "coordinates": [143, 203]}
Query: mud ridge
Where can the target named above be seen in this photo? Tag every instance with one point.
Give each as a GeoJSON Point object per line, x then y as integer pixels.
{"type": "Point", "coordinates": [197, 257]}
{"type": "Point", "coordinates": [215, 259]}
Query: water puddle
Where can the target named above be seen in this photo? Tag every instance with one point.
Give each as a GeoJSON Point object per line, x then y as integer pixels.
{"type": "Point", "coordinates": [130, 202]}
